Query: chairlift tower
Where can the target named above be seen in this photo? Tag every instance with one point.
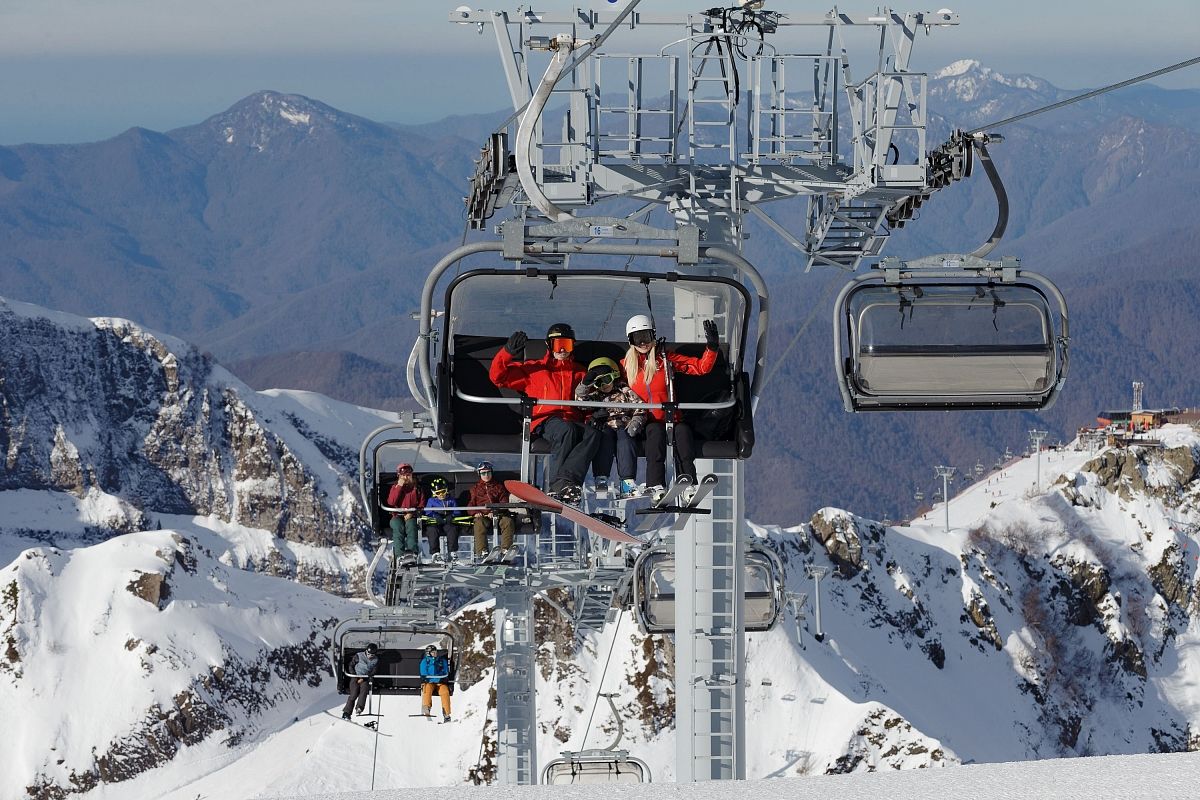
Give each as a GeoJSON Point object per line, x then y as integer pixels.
{"type": "Point", "coordinates": [946, 474]}
{"type": "Point", "coordinates": [1036, 438]}
{"type": "Point", "coordinates": [735, 112]}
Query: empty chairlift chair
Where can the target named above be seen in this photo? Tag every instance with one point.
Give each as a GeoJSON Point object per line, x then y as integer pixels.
{"type": "Point", "coordinates": [654, 589]}
{"type": "Point", "coordinates": [943, 339]}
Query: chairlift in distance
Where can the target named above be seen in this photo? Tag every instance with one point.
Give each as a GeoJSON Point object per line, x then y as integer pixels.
{"type": "Point", "coordinates": [950, 333]}
{"type": "Point", "coordinates": [654, 588]}
{"type": "Point", "coordinates": [401, 636]}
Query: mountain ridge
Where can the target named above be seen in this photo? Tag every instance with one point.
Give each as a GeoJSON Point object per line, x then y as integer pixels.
{"type": "Point", "coordinates": [319, 243]}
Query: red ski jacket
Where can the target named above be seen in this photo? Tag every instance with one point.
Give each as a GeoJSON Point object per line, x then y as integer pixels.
{"type": "Point", "coordinates": [656, 392]}
{"type": "Point", "coordinates": [401, 496]}
{"type": "Point", "coordinates": [546, 378]}
{"type": "Point", "coordinates": [487, 492]}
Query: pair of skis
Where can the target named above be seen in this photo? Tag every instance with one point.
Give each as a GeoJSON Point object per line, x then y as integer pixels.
{"type": "Point", "coordinates": [672, 502]}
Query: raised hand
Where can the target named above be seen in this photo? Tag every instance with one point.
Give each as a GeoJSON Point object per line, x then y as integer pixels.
{"type": "Point", "coordinates": [712, 340]}
{"type": "Point", "coordinates": [516, 343]}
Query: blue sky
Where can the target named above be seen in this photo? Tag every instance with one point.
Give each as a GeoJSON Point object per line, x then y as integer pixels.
{"type": "Point", "coordinates": [82, 70]}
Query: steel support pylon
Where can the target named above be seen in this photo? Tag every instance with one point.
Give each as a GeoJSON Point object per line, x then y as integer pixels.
{"type": "Point", "coordinates": [516, 706]}
{"type": "Point", "coordinates": [710, 645]}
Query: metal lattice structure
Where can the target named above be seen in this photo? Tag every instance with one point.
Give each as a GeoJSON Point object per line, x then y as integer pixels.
{"type": "Point", "coordinates": [723, 120]}
{"type": "Point", "coordinates": [741, 108]}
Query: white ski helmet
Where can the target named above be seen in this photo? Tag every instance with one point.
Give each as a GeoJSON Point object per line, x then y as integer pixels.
{"type": "Point", "coordinates": [637, 323]}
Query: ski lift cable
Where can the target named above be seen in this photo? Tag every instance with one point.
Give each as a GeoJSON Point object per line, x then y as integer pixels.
{"type": "Point", "coordinates": [779, 361]}
{"type": "Point", "coordinates": [603, 673]}
{"type": "Point", "coordinates": [1087, 95]}
{"type": "Point", "coordinates": [483, 733]}
{"type": "Point", "coordinates": [375, 754]}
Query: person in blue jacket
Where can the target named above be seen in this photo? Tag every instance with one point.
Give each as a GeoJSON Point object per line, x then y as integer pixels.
{"type": "Point", "coordinates": [365, 664]}
{"type": "Point", "coordinates": [435, 671]}
{"type": "Point", "coordinates": [439, 521]}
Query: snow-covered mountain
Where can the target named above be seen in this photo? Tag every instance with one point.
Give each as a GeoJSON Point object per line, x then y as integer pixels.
{"type": "Point", "coordinates": [105, 425]}
{"type": "Point", "coordinates": [1050, 620]}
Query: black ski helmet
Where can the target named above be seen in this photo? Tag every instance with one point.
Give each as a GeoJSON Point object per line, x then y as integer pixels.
{"type": "Point", "coordinates": [371, 648]}
{"type": "Point", "coordinates": [560, 330]}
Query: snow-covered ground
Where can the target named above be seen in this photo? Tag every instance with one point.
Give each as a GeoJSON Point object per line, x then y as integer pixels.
{"type": "Point", "coordinates": [1144, 776]}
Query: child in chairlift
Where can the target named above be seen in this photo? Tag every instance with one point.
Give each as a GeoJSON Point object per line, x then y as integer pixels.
{"type": "Point", "coordinates": [604, 383]}
{"type": "Point", "coordinates": [440, 521]}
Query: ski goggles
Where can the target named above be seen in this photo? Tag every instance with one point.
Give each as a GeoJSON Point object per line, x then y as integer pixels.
{"type": "Point", "coordinates": [562, 345]}
{"type": "Point", "coordinates": [639, 338]}
{"type": "Point", "coordinates": [485, 472]}
{"type": "Point", "coordinates": [441, 494]}
{"type": "Point", "coordinates": [605, 378]}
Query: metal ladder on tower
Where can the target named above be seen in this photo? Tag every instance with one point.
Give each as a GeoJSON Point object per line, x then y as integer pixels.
{"type": "Point", "coordinates": [516, 707]}
{"type": "Point", "coordinates": [842, 235]}
{"type": "Point", "coordinates": [709, 68]}
{"type": "Point", "coordinates": [710, 645]}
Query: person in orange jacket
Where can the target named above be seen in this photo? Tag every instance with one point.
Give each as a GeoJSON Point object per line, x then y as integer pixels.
{"type": "Point", "coordinates": [552, 377]}
{"type": "Point", "coordinates": [645, 371]}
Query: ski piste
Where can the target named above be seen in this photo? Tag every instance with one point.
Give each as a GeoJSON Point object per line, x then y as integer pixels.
{"type": "Point", "coordinates": [532, 494]}
{"type": "Point", "coordinates": [703, 490]}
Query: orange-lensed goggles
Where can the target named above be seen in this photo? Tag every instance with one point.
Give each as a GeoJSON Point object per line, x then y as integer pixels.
{"type": "Point", "coordinates": [562, 345]}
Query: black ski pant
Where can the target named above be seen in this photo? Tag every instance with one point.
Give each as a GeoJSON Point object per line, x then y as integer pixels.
{"type": "Point", "coordinates": [360, 689]}
{"type": "Point", "coordinates": [434, 532]}
{"type": "Point", "coordinates": [571, 449]}
{"type": "Point", "coordinates": [615, 443]}
{"type": "Point", "coordinates": [656, 453]}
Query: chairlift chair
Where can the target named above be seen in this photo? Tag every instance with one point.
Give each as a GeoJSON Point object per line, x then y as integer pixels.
{"type": "Point", "coordinates": [595, 766]}
{"type": "Point", "coordinates": [602, 765]}
{"type": "Point", "coordinates": [951, 335]}
{"type": "Point", "coordinates": [401, 636]}
{"type": "Point", "coordinates": [483, 306]}
{"type": "Point", "coordinates": [654, 588]}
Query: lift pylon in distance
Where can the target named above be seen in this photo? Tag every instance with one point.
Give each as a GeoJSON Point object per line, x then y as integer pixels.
{"type": "Point", "coordinates": [950, 333]}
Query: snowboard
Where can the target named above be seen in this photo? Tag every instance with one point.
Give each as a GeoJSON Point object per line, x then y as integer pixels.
{"type": "Point", "coordinates": [534, 495]}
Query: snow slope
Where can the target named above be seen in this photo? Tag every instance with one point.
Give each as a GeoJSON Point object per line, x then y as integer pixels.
{"type": "Point", "coordinates": [1051, 620]}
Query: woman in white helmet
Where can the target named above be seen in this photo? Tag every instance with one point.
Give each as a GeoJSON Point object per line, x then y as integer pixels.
{"type": "Point", "coordinates": [645, 371]}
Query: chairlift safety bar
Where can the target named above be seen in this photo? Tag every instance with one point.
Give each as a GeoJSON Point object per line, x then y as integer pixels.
{"type": "Point", "coordinates": [516, 401]}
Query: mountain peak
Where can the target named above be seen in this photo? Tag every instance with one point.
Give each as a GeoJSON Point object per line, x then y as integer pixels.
{"type": "Point", "coordinates": [960, 67]}
{"type": "Point", "coordinates": [969, 81]}
{"type": "Point", "coordinates": [266, 117]}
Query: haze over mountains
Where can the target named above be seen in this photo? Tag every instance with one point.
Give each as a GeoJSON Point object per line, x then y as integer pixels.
{"type": "Point", "coordinates": [290, 240]}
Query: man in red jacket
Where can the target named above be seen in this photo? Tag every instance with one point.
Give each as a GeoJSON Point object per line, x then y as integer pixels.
{"type": "Point", "coordinates": [406, 494]}
{"type": "Point", "coordinates": [552, 377]}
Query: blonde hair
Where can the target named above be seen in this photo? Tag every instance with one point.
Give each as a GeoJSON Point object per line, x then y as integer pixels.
{"type": "Point", "coordinates": [630, 362]}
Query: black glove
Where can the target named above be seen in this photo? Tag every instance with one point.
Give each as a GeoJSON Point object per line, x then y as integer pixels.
{"type": "Point", "coordinates": [599, 417]}
{"type": "Point", "coordinates": [516, 343]}
{"type": "Point", "coordinates": [710, 334]}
